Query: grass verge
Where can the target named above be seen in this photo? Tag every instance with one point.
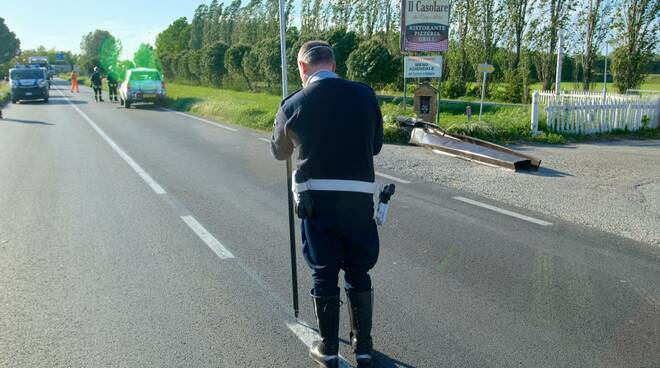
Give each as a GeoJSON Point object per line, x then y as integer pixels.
{"type": "Point", "coordinates": [251, 110]}
{"type": "Point", "coordinates": [501, 124]}
{"type": "Point", "coordinates": [82, 81]}
{"type": "Point", "coordinates": [5, 93]}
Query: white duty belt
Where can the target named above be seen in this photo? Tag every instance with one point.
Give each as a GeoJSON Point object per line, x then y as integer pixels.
{"type": "Point", "coordinates": [333, 185]}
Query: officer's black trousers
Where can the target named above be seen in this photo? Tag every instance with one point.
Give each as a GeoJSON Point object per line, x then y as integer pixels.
{"type": "Point", "coordinates": [97, 91]}
{"type": "Point", "coordinates": [112, 88]}
{"type": "Point", "coordinates": [340, 240]}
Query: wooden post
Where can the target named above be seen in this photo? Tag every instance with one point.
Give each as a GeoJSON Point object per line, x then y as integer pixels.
{"type": "Point", "coordinates": [535, 112]}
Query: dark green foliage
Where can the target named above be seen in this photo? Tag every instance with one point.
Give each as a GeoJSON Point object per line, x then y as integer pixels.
{"type": "Point", "coordinates": [144, 57]}
{"type": "Point", "coordinates": [194, 61]}
{"type": "Point", "coordinates": [10, 46]}
{"type": "Point", "coordinates": [251, 65]}
{"type": "Point", "coordinates": [213, 63]}
{"type": "Point", "coordinates": [234, 61]}
{"type": "Point", "coordinates": [371, 63]}
{"type": "Point", "coordinates": [174, 38]}
{"type": "Point", "coordinates": [122, 67]}
{"type": "Point", "coordinates": [365, 37]}
{"type": "Point", "coordinates": [629, 68]}
{"type": "Point", "coordinates": [344, 43]}
{"type": "Point", "coordinates": [454, 87]}
{"type": "Point", "coordinates": [197, 27]}
{"type": "Point", "coordinates": [166, 61]}
{"type": "Point", "coordinates": [99, 48]}
{"type": "Point", "coordinates": [182, 70]}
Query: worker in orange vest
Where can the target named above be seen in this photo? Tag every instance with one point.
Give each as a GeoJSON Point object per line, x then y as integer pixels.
{"type": "Point", "coordinates": [74, 82]}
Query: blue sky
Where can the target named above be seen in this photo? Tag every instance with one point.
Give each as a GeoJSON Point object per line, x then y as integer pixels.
{"type": "Point", "coordinates": [61, 24]}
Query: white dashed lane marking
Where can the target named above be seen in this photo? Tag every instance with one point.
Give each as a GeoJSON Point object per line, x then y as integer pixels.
{"type": "Point", "coordinates": [189, 220]}
{"type": "Point", "coordinates": [398, 180]}
{"type": "Point", "coordinates": [503, 211]}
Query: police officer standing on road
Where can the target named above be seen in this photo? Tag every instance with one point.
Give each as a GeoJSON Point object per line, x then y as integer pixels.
{"type": "Point", "coordinates": [112, 85]}
{"type": "Point", "coordinates": [336, 127]}
{"type": "Point", "coordinates": [97, 82]}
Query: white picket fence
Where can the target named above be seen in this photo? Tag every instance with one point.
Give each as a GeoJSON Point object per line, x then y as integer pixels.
{"type": "Point", "coordinates": [581, 112]}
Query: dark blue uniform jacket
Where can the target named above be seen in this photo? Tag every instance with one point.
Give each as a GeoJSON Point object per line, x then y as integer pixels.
{"type": "Point", "coordinates": [337, 127]}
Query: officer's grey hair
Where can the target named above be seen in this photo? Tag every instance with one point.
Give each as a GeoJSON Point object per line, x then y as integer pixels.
{"type": "Point", "coordinates": [316, 52]}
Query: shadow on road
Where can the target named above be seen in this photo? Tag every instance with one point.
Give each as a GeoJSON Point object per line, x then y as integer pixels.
{"type": "Point", "coordinates": [25, 121]}
{"type": "Point", "coordinates": [383, 361]}
{"type": "Point", "coordinates": [62, 101]}
{"type": "Point", "coordinates": [545, 172]}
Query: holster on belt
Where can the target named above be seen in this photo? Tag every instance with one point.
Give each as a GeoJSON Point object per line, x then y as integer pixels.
{"type": "Point", "coordinates": [304, 203]}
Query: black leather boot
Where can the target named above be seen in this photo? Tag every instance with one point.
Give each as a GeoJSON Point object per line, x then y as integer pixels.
{"type": "Point", "coordinates": [360, 309]}
{"type": "Point", "coordinates": [326, 351]}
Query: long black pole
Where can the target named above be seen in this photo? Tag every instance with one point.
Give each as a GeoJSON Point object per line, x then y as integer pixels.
{"type": "Point", "coordinates": [289, 169]}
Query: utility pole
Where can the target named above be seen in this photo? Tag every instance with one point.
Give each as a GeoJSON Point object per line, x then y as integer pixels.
{"type": "Point", "coordinates": [289, 168]}
{"type": "Point", "coordinates": [560, 60]}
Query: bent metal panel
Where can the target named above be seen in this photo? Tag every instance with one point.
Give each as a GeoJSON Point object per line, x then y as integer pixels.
{"type": "Point", "coordinates": [424, 25]}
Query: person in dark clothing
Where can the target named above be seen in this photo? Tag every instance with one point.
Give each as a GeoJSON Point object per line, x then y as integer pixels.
{"type": "Point", "coordinates": [97, 82]}
{"type": "Point", "coordinates": [112, 85]}
{"type": "Point", "coordinates": [336, 126]}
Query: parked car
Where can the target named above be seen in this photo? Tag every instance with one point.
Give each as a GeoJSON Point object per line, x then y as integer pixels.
{"type": "Point", "coordinates": [28, 84]}
{"type": "Point", "coordinates": [142, 85]}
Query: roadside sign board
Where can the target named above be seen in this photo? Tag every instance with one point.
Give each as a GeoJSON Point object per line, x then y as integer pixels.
{"type": "Point", "coordinates": [423, 67]}
{"type": "Point", "coordinates": [424, 25]}
{"type": "Point", "coordinates": [59, 56]}
{"type": "Point", "coordinates": [486, 68]}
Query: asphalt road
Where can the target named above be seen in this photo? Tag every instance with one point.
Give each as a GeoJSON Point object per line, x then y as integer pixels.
{"type": "Point", "coordinates": [147, 238]}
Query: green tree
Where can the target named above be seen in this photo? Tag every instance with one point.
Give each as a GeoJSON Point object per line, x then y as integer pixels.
{"type": "Point", "coordinates": [194, 62]}
{"type": "Point", "coordinates": [166, 61]}
{"type": "Point", "coordinates": [213, 63]}
{"type": "Point", "coordinates": [212, 24]}
{"type": "Point", "coordinates": [344, 43]}
{"type": "Point", "coordinates": [270, 63]}
{"type": "Point", "coordinates": [144, 57]}
{"type": "Point", "coordinates": [174, 39]}
{"type": "Point", "coordinates": [10, 46]}
{"type": "Point", "coordinates": [234, 61]}
{"type": "Point", "coordinates": [182, 71]}
{"type": "Point", "coordinates": [556, 14]}
{"type": "Point", "coordinates": [593, 19]}
{"type": "Point", "coordinates": [252, 66]}
{"type": "Point", "coordinates": [371, 63]}
{"type": "Point", "coordinates": [122, 67]}
{"type": "Point", "coordinates": [99, 48]}
{"type": "Point", "coordinates": [197, 27]}
{"type": "Point", "coordinates": [636, 27]}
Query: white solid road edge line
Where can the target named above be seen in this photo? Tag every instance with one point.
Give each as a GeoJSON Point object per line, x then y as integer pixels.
{"type": "Point", "coordinates": [210, 240]}
{"type": "Point", "coordinates": [503, 211]}
{"type": "Point", "coordinates": [307, 336]}
{"type": "Point", "coordinates": [265, 140]}
{"type": "Point", "coordinates": [201, 119]}
{"type": "Point", "coordinates": [193, 224]}
{"type": "Point", "coordinates": [134, 165]}
{"type": "Point", "coordinates": [402, 181]}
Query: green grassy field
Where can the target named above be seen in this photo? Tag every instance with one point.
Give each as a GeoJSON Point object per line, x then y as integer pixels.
{"type": "Point", "coordinates": [501, 124]}
{"type": "Point", "coordinates": [251, 110]}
